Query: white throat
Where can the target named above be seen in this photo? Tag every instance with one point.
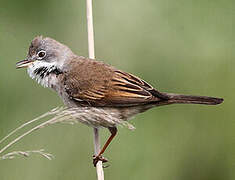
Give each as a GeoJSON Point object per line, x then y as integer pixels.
{"type": "Point", "coordinates": [41, 71]}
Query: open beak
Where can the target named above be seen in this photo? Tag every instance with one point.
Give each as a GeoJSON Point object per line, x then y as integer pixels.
{"type": "Point", "coordinates": [23, 63]}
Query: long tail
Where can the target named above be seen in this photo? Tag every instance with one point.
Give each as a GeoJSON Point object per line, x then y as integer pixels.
{"type": "Point", "coordinates": [188, 99]}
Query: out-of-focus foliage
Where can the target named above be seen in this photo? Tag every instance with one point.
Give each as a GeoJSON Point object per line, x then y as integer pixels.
{"type": "Point", "coordinates": [183, 46]}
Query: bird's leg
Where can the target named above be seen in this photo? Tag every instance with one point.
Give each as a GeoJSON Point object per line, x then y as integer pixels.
{"type": "Point", "coordinates": [96, 158]}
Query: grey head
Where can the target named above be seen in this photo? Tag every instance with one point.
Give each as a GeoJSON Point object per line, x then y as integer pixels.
{"type": "Point", "coordinates": [45, 56]}
{"type": "Point", "coordinates": [46, 50]}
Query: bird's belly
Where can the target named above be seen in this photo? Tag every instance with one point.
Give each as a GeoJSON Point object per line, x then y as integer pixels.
{"type": "Point", "coordinates": [101, 116]}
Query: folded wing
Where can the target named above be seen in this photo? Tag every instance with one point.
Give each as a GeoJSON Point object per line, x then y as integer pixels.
{"type": "Point", "coordinates": [102, 85]}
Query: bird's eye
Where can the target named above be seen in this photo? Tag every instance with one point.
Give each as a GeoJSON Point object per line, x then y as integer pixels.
{"type": "Point", "coordinates": [41, 54]}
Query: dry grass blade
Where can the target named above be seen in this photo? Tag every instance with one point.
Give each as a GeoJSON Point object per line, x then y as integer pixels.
{"type": "Point", "coordinates": [89, 115]}
{"type": "Point", "coordinates": [52, 112]}
{"type": "Point", "coordinates": [14, 154]}
{"type": "Point", "coordinates": [29, 122]}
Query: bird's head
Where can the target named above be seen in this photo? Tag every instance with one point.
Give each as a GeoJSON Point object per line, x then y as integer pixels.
{"type": "Point", "coordinates": [45, 52]}
{"type": "Point", "coordinates": [46, 56]}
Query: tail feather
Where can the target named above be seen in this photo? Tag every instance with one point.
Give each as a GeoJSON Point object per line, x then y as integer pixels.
{"type": "Point", "coordinates": [188, 99]}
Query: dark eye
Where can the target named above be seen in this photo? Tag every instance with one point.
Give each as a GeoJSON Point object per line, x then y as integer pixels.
{"type": "Point", "coordinates": [41, 54]}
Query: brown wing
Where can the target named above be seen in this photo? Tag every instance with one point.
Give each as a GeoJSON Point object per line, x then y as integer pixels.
{"type": "Point", "coordinates": [97, 84]}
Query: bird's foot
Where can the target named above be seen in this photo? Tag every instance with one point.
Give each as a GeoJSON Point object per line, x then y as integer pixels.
{"type": "Point", "coordinates": [98, 158]}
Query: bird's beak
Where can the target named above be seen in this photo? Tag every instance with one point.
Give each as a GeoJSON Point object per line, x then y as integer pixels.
{"type": "Point", "coordinates": [23, 63]}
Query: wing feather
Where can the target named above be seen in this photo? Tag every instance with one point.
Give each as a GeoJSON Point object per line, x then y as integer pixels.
{"type": "Point", "coordinates": [102, 85]}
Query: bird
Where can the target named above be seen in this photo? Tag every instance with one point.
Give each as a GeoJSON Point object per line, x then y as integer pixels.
{"type": "Point", "coordinates": [84, 82]}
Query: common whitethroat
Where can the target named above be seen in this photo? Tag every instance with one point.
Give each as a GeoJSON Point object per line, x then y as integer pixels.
{"type": "Point", "coordinates": [81, 81]}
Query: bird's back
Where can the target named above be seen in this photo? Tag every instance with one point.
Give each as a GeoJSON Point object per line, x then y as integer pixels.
{"type": "Point", "coordinates": [93, 83]}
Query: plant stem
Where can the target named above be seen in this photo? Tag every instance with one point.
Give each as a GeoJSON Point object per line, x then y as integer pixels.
{"type": "Point", "coordinates": [91, 50]}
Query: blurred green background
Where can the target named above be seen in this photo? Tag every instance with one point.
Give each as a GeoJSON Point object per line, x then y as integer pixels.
{"type": "Point", "coordinates": [183, 46]}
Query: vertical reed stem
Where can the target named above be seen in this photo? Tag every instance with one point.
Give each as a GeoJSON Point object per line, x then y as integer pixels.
{"type": "Point", "coordinates": [91, 50]}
